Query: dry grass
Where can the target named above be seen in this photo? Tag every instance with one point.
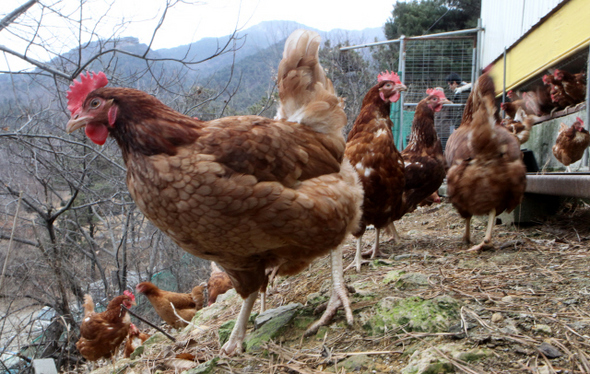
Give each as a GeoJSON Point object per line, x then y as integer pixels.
{"type": "Point", "coordinates": [532, 288]}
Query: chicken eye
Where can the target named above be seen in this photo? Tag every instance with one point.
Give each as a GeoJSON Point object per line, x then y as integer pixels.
{"type": "Point", "coordinates": [94, 103]}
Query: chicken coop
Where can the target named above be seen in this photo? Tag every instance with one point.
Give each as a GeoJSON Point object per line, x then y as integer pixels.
{"type": "Point", "coordinates": [521, 41]}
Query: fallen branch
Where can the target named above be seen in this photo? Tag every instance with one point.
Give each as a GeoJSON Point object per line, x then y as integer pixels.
{"type": "Point", "coordinates": [149, 323]}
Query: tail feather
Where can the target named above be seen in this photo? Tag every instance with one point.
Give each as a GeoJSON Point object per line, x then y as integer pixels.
{"type": "Point", "coordinates": [306, 94]}
{"type": "Point", "coordinates": [484, 117]}
{"type": "Point", "coordinates": [88, 305]}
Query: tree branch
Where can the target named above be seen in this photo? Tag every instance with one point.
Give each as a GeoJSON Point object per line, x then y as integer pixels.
{"type": "Point", "coordinates": [6, 21]}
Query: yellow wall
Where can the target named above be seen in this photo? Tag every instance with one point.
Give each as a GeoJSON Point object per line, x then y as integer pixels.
{"type": "Point", "coordinates": [564, 33]}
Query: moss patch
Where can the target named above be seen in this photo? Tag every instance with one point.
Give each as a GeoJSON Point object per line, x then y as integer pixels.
{"type": "Point", "coordinates": [415, 314]}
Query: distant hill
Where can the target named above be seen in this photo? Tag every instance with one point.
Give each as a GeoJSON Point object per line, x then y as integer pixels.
{"type": "Point", "coordinates": [258, 50]}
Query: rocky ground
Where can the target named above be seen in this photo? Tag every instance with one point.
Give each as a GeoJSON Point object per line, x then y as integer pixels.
{"type": "Point", "coordinates": [429, 306]}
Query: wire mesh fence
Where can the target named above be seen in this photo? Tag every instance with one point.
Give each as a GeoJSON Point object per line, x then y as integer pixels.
{"type": "Point", "coordinates": [428, 63]}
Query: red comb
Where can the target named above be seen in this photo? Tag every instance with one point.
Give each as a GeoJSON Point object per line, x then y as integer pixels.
{"type": "Point", "coordinates": [80, 89]}
{"type": "Point", "coordinates": [129, 294]}
{"type": "Point", "coordinates": [387, 76]}
{"type": "Point", "coordinates": [436, 91]}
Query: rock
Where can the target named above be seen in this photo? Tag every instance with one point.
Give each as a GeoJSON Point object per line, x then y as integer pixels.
{"type": "Point", "coordinates": [272, 313]}
{"type": "Point", "coordinates": [415, 314]}
{"type": "Point", "coordinates": [225, 331]}
{"type": "Point", "coordinates": [549, 351]}
{"type": "Point", "coordinates": [204, 368]}
{"type": "Point", "coordinates": [403, 280]}
{"type": "Point", "coordinates": [510, 327]}
{"type": "Point", "coordinates": [544, 329]}
{"type": "Point", "coordinates": [209, 313]}
{"type": "Point", "coordinates": [508, 299]}
{"type": "Point", "coordinates": [393, 276]}
{"type": "Point", "coordinates": [357, 363]}
{"type": "Point", "coordinates": [497, 317]}
{"type": "Point", "coordinates": [429, 361]}
{"type": "Point", "coordinates": [316, 298]}
{"type": "Point", "coordinates": [273, 327]}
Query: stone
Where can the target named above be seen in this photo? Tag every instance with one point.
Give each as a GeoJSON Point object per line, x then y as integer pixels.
{"type": "Point", "coordinates": [429, 361]}
{"type": "Point", "coordinates": [497, 317]}
{"type": "Point", "coordinates": [415, 314]}
{"type": "Point", "coordinates": [549, 351]}
{"type": "Point", "coordinates": [44, 366]}
{"type": "Point", "coordinates": [543, 329]}
{"type": "Point", "coordinates": [272, 328]}
{"type": "Point", "coordinates": [204, 368]}
{"type": "Point", "coordinates": [267, 315]}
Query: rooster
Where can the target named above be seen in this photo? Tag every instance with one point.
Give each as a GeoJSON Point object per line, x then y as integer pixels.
{"type": "Point", "coordinates": [371, 150]}
{"type": "Point", "coordinates": [101, 334]}
{"type": "Point", "coordinates": [487, 174]}
{"type": "Point", "coordinates": [571, 143]}
{"type": "Point", "coordinates": [135, 338]}
{"type": "Point", "coordinates": [247, 192]}
{"type": "Point", "coordinates": [176, 309]}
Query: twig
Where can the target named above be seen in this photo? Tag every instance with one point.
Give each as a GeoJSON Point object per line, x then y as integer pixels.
{"type": "Point", "coordinates": [179, 317]}
{"type": "Point", "coordinates": [149, 323]}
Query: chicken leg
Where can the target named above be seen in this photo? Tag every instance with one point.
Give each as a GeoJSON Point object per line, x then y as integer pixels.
{"type": "Point", "coordinates": [488, 237]}
{"type": "Point", "coordinates": [358, 260]}
{"type": "Point", "coordinates": [234, 343]}
{"type": "Point", "coordinates": [467, 234]}
{"type": "Point", "coordinates": [339, 297]}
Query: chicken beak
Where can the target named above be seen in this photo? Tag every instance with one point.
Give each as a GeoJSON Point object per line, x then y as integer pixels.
{"type": "Point", "coordinates": [446, 101]}
{"type": "Point", "coordinates": [75, 123]}
{"type": "Point", "coordinates": [401, 87]}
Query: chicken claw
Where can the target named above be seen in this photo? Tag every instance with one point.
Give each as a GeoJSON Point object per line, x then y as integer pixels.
{"type": "Point", "coordinates": [488, 237]}
{"type": "Point", "coordinates": [234, 344]}
{"type": "Point", "coordinates": [358, 260]}
{"type": "Point", "coordinates": [339, 297]}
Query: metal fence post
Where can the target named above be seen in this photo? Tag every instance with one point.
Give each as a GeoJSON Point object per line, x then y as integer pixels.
{"type": "Point", "coordinates": [402, 69]}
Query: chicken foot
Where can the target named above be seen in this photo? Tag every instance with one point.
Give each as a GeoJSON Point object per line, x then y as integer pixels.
{"type": "Point", "coordinates": [263, 293]}
{"type": "Point", "coordinates": [358, 260]}
{"type": "Point", "coordinates": [339, 297]}
{"type": "Point", "coordinates": [488, 237]}
{"type": "Point", "coordinates": [234, 343]}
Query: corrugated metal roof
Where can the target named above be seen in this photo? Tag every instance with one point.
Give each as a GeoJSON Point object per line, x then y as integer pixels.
{"type": "Point", "coordinates": [560, 34]}
{"type": "Point", "coordinates": [505, 21]}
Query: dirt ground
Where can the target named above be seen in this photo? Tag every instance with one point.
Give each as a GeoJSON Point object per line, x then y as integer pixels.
{"type": "Point", "coordinates": [526, 301]}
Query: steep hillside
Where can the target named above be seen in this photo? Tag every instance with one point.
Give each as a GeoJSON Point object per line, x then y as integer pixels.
{"type": "Point", "coordinates": [429, 307]}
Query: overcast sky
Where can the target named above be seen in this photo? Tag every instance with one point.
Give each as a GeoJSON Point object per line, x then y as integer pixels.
{"type": "Point", "coordinates": [187, 23]}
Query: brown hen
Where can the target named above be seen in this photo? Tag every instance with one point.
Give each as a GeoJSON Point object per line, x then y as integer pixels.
{"type": "Point", "coordinates": [423, 156]}
{"type": "Point", "coordinates": [371, 150]}
{"type": "Point", "coordinates": [218, 283]}
{"type": "Point", "coordinates": [176, 309]}
{"type": "Point", "coordinates": [571, 143]}
{"type": "Point", "coordinates": [487, 174]}
{"type": "Point", "coordinates": [135, 338]}
{"type": "Point", "coordinates": [247, 192]}
{"type": "Point", "coordinates": [101, 334]}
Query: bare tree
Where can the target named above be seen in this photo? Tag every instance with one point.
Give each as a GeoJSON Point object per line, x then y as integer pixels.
{"type": "Point", "coordinates": [77, 230]}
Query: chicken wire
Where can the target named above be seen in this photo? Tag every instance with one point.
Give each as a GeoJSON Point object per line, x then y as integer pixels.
{"type": "Point", "coordinates": [426, 64]}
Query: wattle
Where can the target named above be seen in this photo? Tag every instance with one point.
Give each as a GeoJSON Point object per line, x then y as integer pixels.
{"type": "Point", "coordinates": [395, 97]}
{"type": "Point", "coordinates": [97, 133]}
